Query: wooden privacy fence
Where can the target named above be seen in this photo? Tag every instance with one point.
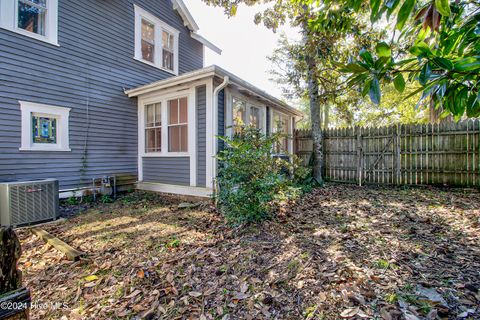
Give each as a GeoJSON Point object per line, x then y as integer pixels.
{"type": "Point", "coordinates": [446, 153]}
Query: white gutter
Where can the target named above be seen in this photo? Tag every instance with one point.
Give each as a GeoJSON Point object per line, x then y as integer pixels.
{"type": "Point", "coordinates": [226, 81]}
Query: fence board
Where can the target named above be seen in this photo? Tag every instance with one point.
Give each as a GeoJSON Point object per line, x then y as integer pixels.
{"type": "Point", "coordinates": [446, 154]}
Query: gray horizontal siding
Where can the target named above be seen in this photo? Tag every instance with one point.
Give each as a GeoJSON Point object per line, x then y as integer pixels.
{"type": "Point", "coordinates": [201, 104]}
{"type": "Point", "coordinates": [88, 73]}
{"type": "Point", "coordinates": [170, 170]}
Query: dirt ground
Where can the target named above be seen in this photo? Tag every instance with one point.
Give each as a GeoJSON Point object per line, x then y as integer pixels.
{"type": "Point", "coordinates": [340, 252]}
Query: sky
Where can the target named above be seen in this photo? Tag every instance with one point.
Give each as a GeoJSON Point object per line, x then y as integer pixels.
{"type": "Point", "coordinates": [245, 46]}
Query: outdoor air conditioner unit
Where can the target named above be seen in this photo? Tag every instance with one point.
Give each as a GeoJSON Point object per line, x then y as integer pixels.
{"type": "Point", "coordinates": [28, 202]}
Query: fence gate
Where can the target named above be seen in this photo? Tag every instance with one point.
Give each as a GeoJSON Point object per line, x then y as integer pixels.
{"type": "Point", "coordinates": [446, 153]}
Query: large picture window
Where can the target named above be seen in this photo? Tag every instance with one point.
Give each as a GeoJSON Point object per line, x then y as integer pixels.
{"type": "Point", "coordinates": [156, 43]}
{"type": "Point", "coordinates": [153, 127]}
{"type": "Point", "coordinates": [178, 125]}
{"type": "Point", "coordinates": [34, 18]}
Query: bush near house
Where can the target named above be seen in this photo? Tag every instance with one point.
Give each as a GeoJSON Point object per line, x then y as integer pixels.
{"type": "Point", "coordinates": [252, 183]}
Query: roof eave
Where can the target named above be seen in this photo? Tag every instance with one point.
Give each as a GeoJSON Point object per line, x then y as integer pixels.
{"type": "Point", "coordinates": [187, 17]}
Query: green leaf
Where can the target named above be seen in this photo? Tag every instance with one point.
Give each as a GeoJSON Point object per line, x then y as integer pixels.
{"type": "Point", "coordinates": [374, 6]}
{"type": "Point", "coordinates": [399, 83]}
{"type": "Point", "coordinates": [375, 94]}
{"type": "Point", "coordinates": [404, 12]}
{"type": "Point", "coordinates": [468, 64]}
{"type": "Point", "coordinates": [443, 63]}
{"type": "Point", "coordinates": [366, 89]}
{"type": "Point", "coordinates": [383, 50]}
{"type": "Point", "coordinates": [443, 6]}
{"type": "Point", "coordinates": [367, 57]}
{"type": "Point", "coordinates": [425, 74]}
{"type": "Point", "coordinates": [460, 102]}
{"type": "Point", "coordinates": [420, 48]}
{"type": "Point", "coordinates": [473, 106]}
{"type": "Point", "coordinates": [354, 67]}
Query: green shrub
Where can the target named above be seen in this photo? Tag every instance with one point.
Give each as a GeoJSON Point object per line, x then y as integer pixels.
{"type": "Point", "coordinates": [251, 182]}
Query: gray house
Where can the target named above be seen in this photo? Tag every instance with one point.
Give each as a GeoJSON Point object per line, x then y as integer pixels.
{"type": "Point", "coordinates": [118, 88]}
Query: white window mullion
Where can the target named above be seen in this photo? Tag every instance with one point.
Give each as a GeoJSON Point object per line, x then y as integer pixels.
{"type": "Point", "coordinates": [158, 45]}
{"type": "Point", "coordinates": [165, 125]}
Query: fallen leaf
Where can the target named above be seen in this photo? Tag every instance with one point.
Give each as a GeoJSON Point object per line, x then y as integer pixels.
{"type": "Point", "coordinates": [91, 278]}
{"type": "Point", "coordinates": [194, 294]}
{"type": "Point", "coordinates": [348, 313]}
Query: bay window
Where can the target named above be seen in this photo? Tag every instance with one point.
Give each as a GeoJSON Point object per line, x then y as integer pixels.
{"type": "Point", "coordinates": [33, 18]}
{"type": "Point", "coordinates": [156, 43]}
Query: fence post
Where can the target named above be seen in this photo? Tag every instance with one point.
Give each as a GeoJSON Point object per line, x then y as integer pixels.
{"type": "Point", "coordinates": [359, 155]}
{"type": "Point", "coordinates": [397, 155]}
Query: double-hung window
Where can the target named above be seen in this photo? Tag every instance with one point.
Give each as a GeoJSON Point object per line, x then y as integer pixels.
{"type": "Point", "coordinates": [178, 125]}
{"type": "Point", "coordinates": [156, 43]}
{"type": "Point", "coordinates": [281, 123]}
{"type": "Point", "coordinates": [244, 113]}
{"type": "Point", "coordinates": [153, 127]}
{"type": "Point", "coordinates": [34, 18]}
{"type": "Point", "coordinates": [165, 126]}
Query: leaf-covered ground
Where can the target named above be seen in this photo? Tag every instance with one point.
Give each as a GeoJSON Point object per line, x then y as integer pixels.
{"type": "Point", "coordinates": [340, 252]}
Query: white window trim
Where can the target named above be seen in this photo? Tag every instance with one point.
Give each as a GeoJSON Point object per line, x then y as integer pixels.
{"type": "Point", "coordinates": [9, 21]}
{"type": "Point", "coordinates": [290, 128]}
{"type": "Point", "coordinates": [60, 113]}
{"type": "Point", "coordinates": [159, 27]}
{"type": "Point", "coordinates": [250, 103]}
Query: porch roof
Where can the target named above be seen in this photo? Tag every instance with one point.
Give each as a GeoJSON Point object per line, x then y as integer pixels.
{"type": "Point", "coordinates": [207, 72]}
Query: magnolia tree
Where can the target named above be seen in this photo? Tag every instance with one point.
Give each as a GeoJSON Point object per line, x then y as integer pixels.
{"type": "Point", "coordinates": [435, 44]}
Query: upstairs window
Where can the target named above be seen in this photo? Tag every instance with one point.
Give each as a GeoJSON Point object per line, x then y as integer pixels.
{"type": "Point", "coordinates": [34, 18]}
{"type": "Point", "coordinates": [156, 43]}
{"type": "Point", "coordinates": [31, 15]}
{"type": "Point", "coordinates": [168, 53]}
{"type": "Point", "coordinates": [148, 41]}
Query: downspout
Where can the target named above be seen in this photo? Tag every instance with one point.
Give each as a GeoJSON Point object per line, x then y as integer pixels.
{"type": "Point", "coordinates": [226, 81]}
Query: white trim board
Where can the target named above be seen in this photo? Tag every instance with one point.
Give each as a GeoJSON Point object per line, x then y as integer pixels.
{"type": "Point", "coordinates": [175, 189]}
{"type": "Point", "coordinates": [60, 113]}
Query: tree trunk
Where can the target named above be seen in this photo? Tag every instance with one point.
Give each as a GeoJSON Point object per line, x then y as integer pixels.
{"type": "Point", "coordinates": [10, 251]}
{"type": "Point", "coordinates": [15, 298]}
{"type": "Point", "coordinates": [326, 116]}
{"type": "Point", "coordinates": [315, 115]}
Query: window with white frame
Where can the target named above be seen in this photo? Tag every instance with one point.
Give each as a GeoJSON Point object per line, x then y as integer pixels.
{"type": "Point", "coordinates": [244, 113]}
{"type": "Point", "coordinates": [156, 43]}
{"type": "Point", "coordinates": [178, 125]}
{"type": "Point", "coordinates": [34, 18]}
{"type": "Point", "coordinates": [153, 127]}
{"type": "Point", "coordinates": [44, 127]}
{"type": "Point", "coordinates": [281, 123]}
